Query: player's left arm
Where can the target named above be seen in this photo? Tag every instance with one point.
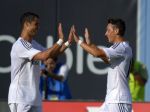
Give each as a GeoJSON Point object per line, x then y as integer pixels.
{"type": "Point", "coordinates": [95, 51]}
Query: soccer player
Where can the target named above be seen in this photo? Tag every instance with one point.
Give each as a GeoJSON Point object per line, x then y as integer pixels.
{"type": "Point", "coordinates": [24, 94]}
{"type": "Point", "coordinates": [119, 55]}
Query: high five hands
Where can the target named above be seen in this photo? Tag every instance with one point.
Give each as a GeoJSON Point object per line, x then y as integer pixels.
{"type": "Point", "coordinates": [61, 35]}
{"type": "Point", "coordinates": [73, 35]}
{"type": "Point", "coordinates": [76, 37]}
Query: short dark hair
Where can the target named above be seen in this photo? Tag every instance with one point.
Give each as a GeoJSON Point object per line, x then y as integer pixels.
{"type": "Point", "coordinates": [119, 23]}
{"type": "Point", "coordinates": [28, 17]}
{"type": "Point", "coordinates": [55, 59]}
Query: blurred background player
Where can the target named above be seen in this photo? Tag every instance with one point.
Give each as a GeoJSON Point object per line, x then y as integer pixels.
{"type": "Point", "coordinates": [137, 80]}
{"type": "Point", "coordinates": [54, 81]}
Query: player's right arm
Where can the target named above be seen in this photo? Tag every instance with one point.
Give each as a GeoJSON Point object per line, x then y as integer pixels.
{"type": "Point", "coordinates": [68, 42]}
{"type": "Point", "coordinates": [53, 51]}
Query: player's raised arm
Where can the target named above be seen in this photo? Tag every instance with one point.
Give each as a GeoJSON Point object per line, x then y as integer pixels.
{"type": "Point", "coordinates": [68, 42]}
{"type": "Point", "coordinates": [95, 51]}
{"type": "Point", "coordinates": [88, 38]}
{"type": "Point", "coordinates": [54, 50]}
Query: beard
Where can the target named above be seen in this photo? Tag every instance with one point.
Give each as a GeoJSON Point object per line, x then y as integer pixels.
{"type": "Point", "coordinates": [33, 33]}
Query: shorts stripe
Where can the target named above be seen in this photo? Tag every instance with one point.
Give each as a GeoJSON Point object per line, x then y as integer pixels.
{"type": "Point", "coordinates": [121, 108]}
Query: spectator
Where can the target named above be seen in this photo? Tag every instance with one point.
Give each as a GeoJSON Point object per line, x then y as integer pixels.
{"type": "Point", "coordinates": [137, 80]}
{"type": "Point", "coordinates": [54, 85]}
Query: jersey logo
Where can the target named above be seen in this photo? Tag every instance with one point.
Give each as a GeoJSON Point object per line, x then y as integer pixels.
{"type": "Point", "coordinates": [35, 62]}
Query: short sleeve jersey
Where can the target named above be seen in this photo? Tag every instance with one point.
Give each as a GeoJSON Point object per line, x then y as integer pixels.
{"type": "Point", "coordinates": [25, 74]}
{"type": "Point", "coordinates": [120, 56]}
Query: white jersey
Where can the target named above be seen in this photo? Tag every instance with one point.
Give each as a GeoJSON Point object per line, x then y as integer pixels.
{"type": "Point", "coordinates": [120, 56]}
{"type": "Point", "coordinates": [64, 71]}
{"type": "Point", "coordinates": [25, 74]}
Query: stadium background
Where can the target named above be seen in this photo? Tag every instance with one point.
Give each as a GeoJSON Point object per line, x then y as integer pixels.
{"type": "Point", "coordinates": [87, 76]}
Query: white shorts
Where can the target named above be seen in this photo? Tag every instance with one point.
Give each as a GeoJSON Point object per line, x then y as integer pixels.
{"type": "Point", "coordinates": [14, 107]}
{"type": "Point", "coordinates": [111, 107]}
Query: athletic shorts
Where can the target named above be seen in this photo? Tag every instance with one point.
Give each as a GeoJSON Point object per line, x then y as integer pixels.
{"type": "Point", "coordinates": [14, 107]}
{"type": "Point", "coordinates": [111, 107]}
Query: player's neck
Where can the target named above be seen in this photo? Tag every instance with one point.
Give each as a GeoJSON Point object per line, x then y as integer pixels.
{"type": "Point", "coordinates": [119, 39]}
{"type": "Point", "coordinates": [26, 36]}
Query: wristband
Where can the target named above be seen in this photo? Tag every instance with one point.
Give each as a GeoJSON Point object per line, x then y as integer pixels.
{"type": "Point", "coordinates": [59, 42]}
{"type": "Point", "coordinates": [67, 44]}
{"type": "Point", "coordinates": [79, 42]}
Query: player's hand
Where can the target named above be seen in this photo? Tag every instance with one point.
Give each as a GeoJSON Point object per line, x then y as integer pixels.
{"type": "Point", "coordinates": [76, 38]}
{"type": "Point", "coordinates": [87, 36]}
{"type": "Point", "coordinates": [70, 37]}
{"type": "Point", "coordinates": [60, 32]}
